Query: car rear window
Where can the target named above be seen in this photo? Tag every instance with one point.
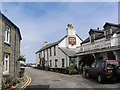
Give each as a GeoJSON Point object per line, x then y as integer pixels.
{"type": "Point", "coordinates": [110, 63]}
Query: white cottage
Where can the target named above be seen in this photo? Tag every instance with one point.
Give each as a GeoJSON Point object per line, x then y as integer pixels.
{"type": "Point", "coordinates": [59, 54]}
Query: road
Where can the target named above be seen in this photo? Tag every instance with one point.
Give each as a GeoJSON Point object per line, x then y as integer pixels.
{"type": "Point", "coordinates": [47, 79]}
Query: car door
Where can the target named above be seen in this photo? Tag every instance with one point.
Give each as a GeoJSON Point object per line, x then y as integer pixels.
{"type": "Point", "coordinates": [97, 69]}
{"type": "Point", "coordinates": [92, 69]}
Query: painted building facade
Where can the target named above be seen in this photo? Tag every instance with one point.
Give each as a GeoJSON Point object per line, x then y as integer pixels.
{"type": "Point", "coordinates": [10, 38]}
{"type": "Point", "coordinates": [59, 54]}
{"type": "Point", "coordinates": [100, 45]}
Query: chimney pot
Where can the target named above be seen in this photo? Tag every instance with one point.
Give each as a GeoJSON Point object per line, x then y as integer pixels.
{"type": "Point", "coordinates": [98, 28]}
{"type": "Point", "coordinates": [45, 43]}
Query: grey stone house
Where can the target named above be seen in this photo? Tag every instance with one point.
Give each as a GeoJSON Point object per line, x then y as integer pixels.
{"type": "Point", "coordinates": [10, 38]}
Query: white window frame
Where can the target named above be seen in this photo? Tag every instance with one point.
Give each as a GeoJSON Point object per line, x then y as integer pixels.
{"type": "Point", "coordinates": [6, 65]}
{"type": "Point", "coordinates": [7, 34]}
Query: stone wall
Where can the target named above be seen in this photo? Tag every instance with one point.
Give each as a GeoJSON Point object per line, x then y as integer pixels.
{"type": "Point", "coordinates": [13, 51]}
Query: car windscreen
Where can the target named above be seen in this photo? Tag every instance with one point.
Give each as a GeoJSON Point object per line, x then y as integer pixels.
{"type": "Point", "coordinates": [113, 63]}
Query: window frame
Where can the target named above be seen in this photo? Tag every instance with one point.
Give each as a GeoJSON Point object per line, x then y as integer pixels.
{"type": "Point", "coordinates": [7, 34]}
{"type": "Point", "coordinates": [107, 34]}
{"type": "Point", "coordinates": [92, 38]}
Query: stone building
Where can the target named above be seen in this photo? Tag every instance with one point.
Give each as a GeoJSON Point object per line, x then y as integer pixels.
{"type": "Point", "coordinates": [10, 38]}
{"type": "Point", "coordinates": [60, 54]}
{"type": "Point", "coordinates": [100, 45]}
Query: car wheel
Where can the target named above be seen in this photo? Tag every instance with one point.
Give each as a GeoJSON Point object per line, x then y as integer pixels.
{"type": "Point", "coordinates": [87, 75]}
{"type": "Point", "coordinates": [100, 79]}
{"type": "Point", "coordinates": [118, 70]}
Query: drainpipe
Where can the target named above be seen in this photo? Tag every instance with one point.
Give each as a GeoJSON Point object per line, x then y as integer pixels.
{"type": "Point", "coordinates": [1, 61]}
{"type": "Point", "coordinates": [15, 54]}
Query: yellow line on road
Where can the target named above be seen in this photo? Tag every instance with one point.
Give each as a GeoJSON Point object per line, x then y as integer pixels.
{"type": "Point", "coordinates": [27, 83]}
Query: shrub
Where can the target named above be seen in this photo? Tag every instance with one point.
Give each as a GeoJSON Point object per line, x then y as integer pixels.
{"type": "Point", "coordinates": [47, 68]}
{"type": "Point", "coordinates": [71, 69]}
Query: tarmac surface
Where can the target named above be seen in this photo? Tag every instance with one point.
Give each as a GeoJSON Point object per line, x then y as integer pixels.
{"type": "Point", "coordinates": [52, 80]}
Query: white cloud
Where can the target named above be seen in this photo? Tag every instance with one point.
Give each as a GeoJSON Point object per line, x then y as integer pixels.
{"type": "Point", "coordinates": [52, 25]}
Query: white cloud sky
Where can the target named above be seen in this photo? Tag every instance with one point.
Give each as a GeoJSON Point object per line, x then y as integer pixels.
{"type": "Point", "coordinates": [41, 22]}
{"type": "Point", "coordinates": [60, 0]}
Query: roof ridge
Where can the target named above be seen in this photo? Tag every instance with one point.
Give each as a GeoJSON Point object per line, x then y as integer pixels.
{"type": "Point", "coordinates": [51, 44]}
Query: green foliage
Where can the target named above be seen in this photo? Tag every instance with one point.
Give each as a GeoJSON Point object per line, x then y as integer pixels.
{"type": "Point", "coordinates": [47, 68]}
{"type": "Point", "coordinates": [21, 58]}
{"type": "Point", "coordinates": [71, 69]}
{"type": "Point", "coordinates": [5, 85]}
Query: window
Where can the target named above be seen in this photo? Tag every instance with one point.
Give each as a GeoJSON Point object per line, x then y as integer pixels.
{"type": "Point", "coordinates": [6, 63]}
{"type": "Point", "coordinates": [93, 65]}
{"type": "Point", "coordinates": [44, 53]}
{"type": "Point", "coordinates": [92, 38]}
{"type": "Point", "coordinates": [39, 55]}
{"type": "Point", "coordinates": [63, 62]}
{"type": "Point", "coordinates": [72, 61]}
{"type": "Point", "coordinates": [56, 62]}
{"type": "Point", "coordinates": [7, 34]}
{"type": "Point", "coordinates": [107, 34]}
{"type": "Point", "coordinates": [50, 63]}
{"type": "Point", "coordinates": [50, 52]}
{"type": "Point", "coordinates": [54, 50]}
{"type": "Point", "coordinates": [102, 64]}
{"type": "Point", "coordinates": [98, 64]}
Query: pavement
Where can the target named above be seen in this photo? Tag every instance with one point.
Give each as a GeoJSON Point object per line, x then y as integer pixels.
{"type": "Point", "coordinates": [24, 82]}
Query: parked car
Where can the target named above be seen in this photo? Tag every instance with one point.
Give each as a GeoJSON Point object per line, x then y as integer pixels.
{"type": "Point", "coordinates": [103, 70]}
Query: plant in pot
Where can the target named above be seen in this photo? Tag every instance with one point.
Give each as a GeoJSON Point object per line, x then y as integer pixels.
{"type": "Point", "coordinates": [21, 58]}
{"type": "Point", "coordinates": [14, 82]}
{"type": "Point", "coordinates": [5, 86]}
{"type": "Point", "coordinates": [11, 84]}
{"type": "Point", "coordinates": [72, 70]}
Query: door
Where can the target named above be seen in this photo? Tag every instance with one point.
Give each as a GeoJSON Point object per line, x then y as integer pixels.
{"type": "Point", "coordinates": [6, 63]}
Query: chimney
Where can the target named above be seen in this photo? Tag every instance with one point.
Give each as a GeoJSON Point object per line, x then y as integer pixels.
{"type": "Point", "coordinates": [45, 43]}
{"type": "Point", "coordinates": [98, 28]}
{"type": "Point", "coordinates": [69, 26]}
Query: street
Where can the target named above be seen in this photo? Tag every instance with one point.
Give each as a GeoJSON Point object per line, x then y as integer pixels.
{"type": "Point", "coordinates": [47, 79]}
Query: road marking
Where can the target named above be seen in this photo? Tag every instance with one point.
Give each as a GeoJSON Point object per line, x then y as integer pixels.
{"type": "Point", "coordinates": [27, 83]}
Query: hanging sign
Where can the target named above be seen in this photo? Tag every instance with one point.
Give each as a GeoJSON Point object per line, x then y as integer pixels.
{"type": "Point", "coordinates": [72, 40]}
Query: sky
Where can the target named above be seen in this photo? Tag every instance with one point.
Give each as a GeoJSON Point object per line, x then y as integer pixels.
{"type": "Point", "coordinates": [47, 21]}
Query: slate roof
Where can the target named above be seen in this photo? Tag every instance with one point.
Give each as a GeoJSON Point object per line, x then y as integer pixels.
{"type": "Point", "coordinates": [111, 24]}
{"type": "Point", "coordinates": [51, 44]}
{"type": "Point", "coordinates": [100, 33]}
{"type": "Point", "coordinates": [55, 43]}
{"type": "Point", "coordinates": [71, 52]}
{"type": "Point", "coordinates": [96, 31]}
{"type": "Point", "coordinates": [7, 20]}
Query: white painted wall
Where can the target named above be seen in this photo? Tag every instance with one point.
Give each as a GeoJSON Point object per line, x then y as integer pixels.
{"type": "Point", "coordinates": [37, 59]}
{"type": "Point", "coordinates": [59, 54]}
